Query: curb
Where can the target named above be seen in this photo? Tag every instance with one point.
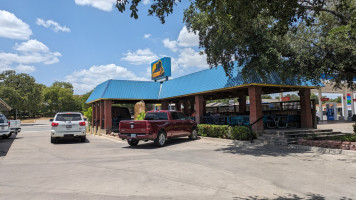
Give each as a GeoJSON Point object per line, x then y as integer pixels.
{"type": "Point", "coordinates": [323, 150]}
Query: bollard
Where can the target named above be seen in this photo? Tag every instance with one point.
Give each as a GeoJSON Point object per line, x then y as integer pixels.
{"type": "Point", "coordinates": [99, 131]}
{"type": "Point", "coordinates": [91, 130]}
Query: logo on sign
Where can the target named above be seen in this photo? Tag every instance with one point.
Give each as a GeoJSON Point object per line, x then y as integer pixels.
{"type": "Point", "coordinates": [161, 68]}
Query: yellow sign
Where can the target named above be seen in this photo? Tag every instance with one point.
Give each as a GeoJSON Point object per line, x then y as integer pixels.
{"type": "Point", "coordinates": [157, 69]}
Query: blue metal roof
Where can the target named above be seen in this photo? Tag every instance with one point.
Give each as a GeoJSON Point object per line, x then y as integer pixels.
{"type": "Point", "coordinates": [202, 81]}
{"type": "Point", "coordinates": [124, 89]}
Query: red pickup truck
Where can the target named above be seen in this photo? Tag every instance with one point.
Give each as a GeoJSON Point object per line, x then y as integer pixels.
{"type": "Point", "coordinates": [158, 126]}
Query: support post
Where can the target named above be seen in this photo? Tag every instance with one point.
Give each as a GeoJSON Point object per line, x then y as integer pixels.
{"type": "Point", "coordinates": [255, 93]}
{"type": "Point", "coordinates": [92, 115]}
{"type": "Point", "coordinates": [352, 103]}
{"type": "Point", "coordinates": [198, 108]}
{"type": "Point", "coordinates": [164, 105]}
{"type": "Point", "coordinates": [107, 116]}
{"type": "Point", "coordinates": [186, 107]}
{"type": "Point", "coordinates": [101, 114]}
{"type": "Point", "coordinates": [344, 103]}
{"type": "Point", "coordinates": [320, 104]}
{"type": "Point", "coordinates": [242, 104]}
{"type": "Point", "coordinates": [305, 106]}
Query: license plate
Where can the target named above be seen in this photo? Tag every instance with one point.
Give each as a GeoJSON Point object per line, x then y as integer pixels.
{"type": "Point", "coordinates": [133, 135]}
{"type": "Point", "coordinates": [68, 126]}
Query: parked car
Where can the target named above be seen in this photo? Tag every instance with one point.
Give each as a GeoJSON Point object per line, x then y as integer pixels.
{"type": "Point", "coordinates": [4, 127]}
{"type": "Point", "coordinates": [68, 125]}
{"type": "Point", "coordinates": [15, 126]}
{"type": "Point", "coordinates": [158, 126]}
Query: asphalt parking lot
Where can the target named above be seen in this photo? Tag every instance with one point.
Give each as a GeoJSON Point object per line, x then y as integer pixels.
{"type": "Point", "coordinates": [104, 168]}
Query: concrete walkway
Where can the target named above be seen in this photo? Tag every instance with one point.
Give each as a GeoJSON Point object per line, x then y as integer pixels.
{"type": "Point", "coordinates": [337, 126]}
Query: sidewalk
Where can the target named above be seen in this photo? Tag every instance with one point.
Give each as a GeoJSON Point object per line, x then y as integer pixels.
{"type": "Point", "coordinates": [337, 126]}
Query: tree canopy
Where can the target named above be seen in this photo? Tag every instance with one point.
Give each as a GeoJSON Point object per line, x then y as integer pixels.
{"type": "Point", "coordinates": [30, 99]}
{"type": "Point", "coordinates": [304, 39]}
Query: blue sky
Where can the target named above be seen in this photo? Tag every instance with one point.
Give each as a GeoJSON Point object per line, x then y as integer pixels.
{"type": "Point", "coordinates": [86, 42]}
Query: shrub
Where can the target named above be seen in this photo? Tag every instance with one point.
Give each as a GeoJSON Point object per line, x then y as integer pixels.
{"type": "Point", "coordinates": [242, 133]}
{"type": "Point", "coordinates": [354, 127]}
{"type": "Point", "coordinates": [141, 116]}
{"type": "Point", "coordinates": [219, 131]}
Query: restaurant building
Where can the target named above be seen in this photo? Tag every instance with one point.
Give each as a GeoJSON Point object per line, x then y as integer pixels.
{"type": "Point", "coordinates": [192, 91]}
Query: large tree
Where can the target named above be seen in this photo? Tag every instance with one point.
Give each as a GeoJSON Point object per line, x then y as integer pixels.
{"type": "Point", "coordinates": [305, 39]}
{"type": "Point", "coordinates": [21, 92]}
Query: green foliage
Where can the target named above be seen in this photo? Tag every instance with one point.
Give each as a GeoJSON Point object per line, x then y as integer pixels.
{"type": "Point", "coordinates": [210, 130]}
{"type": "Point", "coordinates": [21, 92]}
{"type": "Point", "coordinates": [242, 133]}
{"type": "Point", "coordinates": [59, 97]}
{"type": "Point", "coordinates": [354, 126]}
{"type": "Point", "coordinates": [88, 114]}
{"type": "Point", "coordinates": [141, 116]}
{"type": "Point", "coordinates": [225, 131]}
{"type": "Point", "coordinates": [294, 38]}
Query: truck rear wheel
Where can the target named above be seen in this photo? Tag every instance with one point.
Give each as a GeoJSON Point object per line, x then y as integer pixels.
{"type": "Point", "coordinates": [194, 134]}
{"type": "Point", "coordinates": [161, 139]}
{"type": "Point", "coordinates": [133, 142]}
{"type": "Point", "coordinates": [53, 140]}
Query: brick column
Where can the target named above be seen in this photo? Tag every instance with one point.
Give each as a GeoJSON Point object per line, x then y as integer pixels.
{"type": "Point", "coordinates": [101, 113]}
{"type": "Point", "coordinates": [191, 104]}
{"type": "Point", "coordinates": [186, 108]}
{"type": "Point", "coordinates": [198, 108]}
{"type": "Point", "coordinates": [242, 104]}
{"type": "Point", "coordinates": [306, 120]}
{"type": "Point", "coordinates": [204, 106]}
{"type": "Point", "coordinates": [97, 114]}
{"type": "Point", "coordinates": [255, 93]}
{"type": "Point", "coordinates": [107, 115]}
{"type": "Point", "coordinates": [164, 105]}
{"type": "Point", "coordinates": [93, 107]}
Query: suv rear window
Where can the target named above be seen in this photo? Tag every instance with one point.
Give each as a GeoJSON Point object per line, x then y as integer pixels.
{"type": "Point", "coordinates": [156, 116]}
{"type": "Point", "coordinates": [2, 119]}
{"type": "Point", "coordinates": [68, 117]}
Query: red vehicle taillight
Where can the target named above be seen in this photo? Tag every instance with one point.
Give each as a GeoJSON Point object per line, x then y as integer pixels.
{"type": "Point", "coordinates": [148, 126]}
{"type": "Point", "coordinates": [54, 124]}
{"type": "Point", "coordinates": [9, 123]}
{"type": "Point", "coordinates": [81, 123]}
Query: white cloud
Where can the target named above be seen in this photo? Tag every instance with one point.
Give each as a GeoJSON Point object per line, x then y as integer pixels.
{"type": "Point", "coordinates": [146, 36]}
{"type": "Point", "coordinates": [139, 57]}
{"type": "Point", "coordinates": [188, 57]}
{"type": "Point", "coordinates": [25, 68]}
{"type": "Point", "coordinates": [52, 25]}
{"type": "Point", "coordinates": [170, 44]}
{"type": "Point", "coordinates": [145, 2]}
{"type": "Point", "coordinates": [187, 39]}
{"type": "Point", "coordinates": [32, 46]}
{"type": "Point", "coordinates": [13, 27]}
{"type": "Point", "coordinates": [85, 80]}
{"type": "Point", "coordinates": [28, 52]}
{"type": "Point", "coordinates": [105, 5]}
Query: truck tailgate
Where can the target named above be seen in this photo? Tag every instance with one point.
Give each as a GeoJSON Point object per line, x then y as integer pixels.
{"type": "Point", "coordinates": [134, 126]}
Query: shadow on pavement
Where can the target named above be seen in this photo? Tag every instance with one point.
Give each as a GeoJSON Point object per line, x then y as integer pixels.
{"type": "Point", "coordinates": [5, 144]}
{"type": "Point", "coordinates": [289, 197]}
{"type": "Point", "coordinates": [71, 141]}
{"type": "Point", "coordinates": [151, 145]}
{"type": "Point", "coordinates": [260, 149]}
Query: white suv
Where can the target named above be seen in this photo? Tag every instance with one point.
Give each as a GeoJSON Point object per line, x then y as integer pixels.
{"type": "Point", "coordinates": [68, 125]}
{"type": "Point", "coordinates": [4, 127]}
